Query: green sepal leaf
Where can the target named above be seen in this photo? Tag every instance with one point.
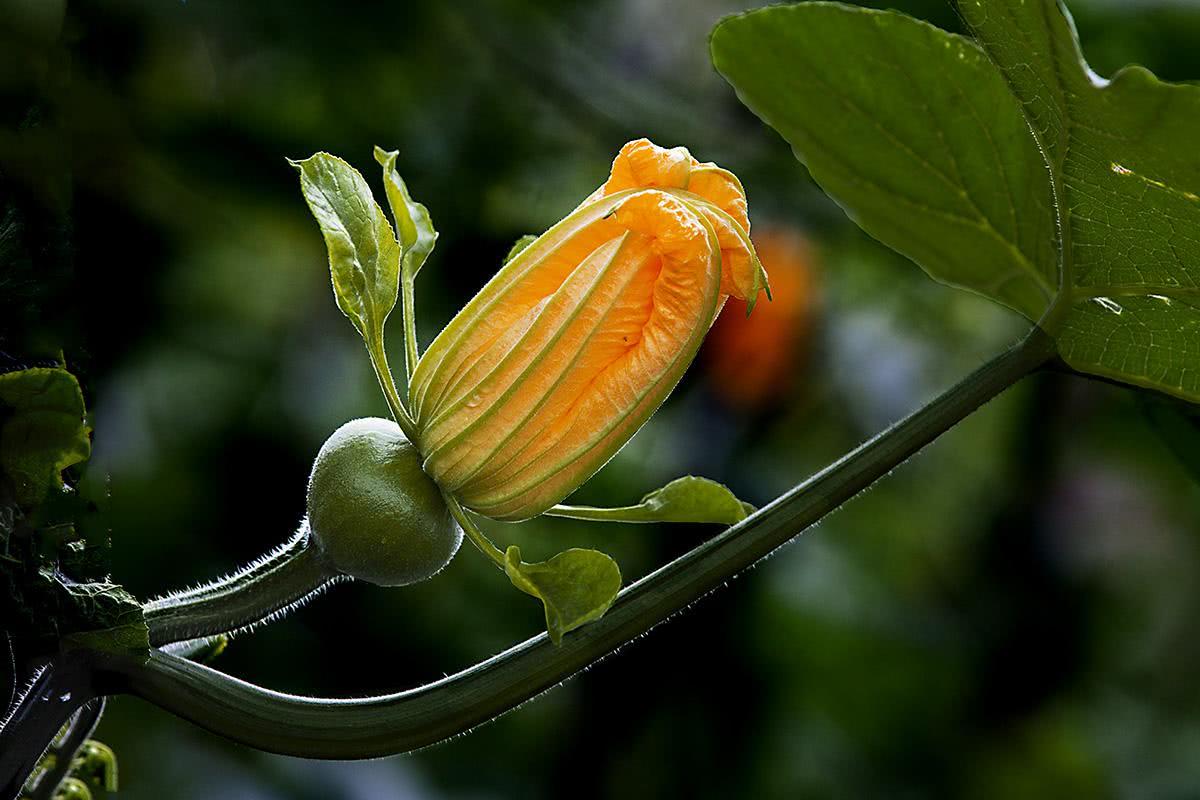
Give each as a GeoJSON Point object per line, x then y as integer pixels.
{"type": "Point", "coordinates": [414, 226]}
{"type": "Point", "coordinates": [518, 246]}
{"type": "Point", "coordinates": [109, 618]}
{"type": "Point", "coordinates": [576, 586]}
{"type": "Point", "coordinates": [364, 255]}
{"type": "Point", "coordinates": [686, 499]}
{"type": "Point", "coordinates": [920, 141]}
{"type": "Point", "coordinates": [42, 430]}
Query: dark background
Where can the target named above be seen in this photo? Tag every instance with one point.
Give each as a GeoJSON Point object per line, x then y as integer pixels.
{"type": "Point", "coordinates": [1014, 613]}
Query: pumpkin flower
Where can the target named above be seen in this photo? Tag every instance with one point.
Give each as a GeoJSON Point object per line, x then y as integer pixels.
{"type": "Point", "coordinates": [577, 340]}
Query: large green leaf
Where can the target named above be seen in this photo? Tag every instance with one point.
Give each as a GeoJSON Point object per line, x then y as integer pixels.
{"type": "Point", "coordinates": [686, 499]}
{"type": "Point", "coordinates": [1096, 184]}
{"type": "Point", "coordinates": [912, 131]}
{"type": "Point", "coordinates": [1126, 167]}
{"type": "Point", "coordinates": [576, 586]}
{"type": "Point", "coordinates": [364, 255]}
{"type": "Point", "coordinates": [42, 430]}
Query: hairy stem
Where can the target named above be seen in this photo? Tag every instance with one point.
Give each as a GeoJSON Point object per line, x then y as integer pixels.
{"type": "Point", "coordinates": [378, 726]}
{"type": "Point", "coordinates": [265, 588]}
{"type": "Point", "coordinates": [58, 691]}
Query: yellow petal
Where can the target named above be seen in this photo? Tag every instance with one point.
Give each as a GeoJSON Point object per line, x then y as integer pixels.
{"type": "Point", "coordinates": [643, 165]}
{"type": "Point", "coordinates": [543, 406]}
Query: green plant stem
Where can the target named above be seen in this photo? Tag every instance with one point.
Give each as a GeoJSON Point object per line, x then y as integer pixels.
{"type": "Point", "coordinates": [408, 307]}
{"type": "Point", "coordinates": [263, 589]}
{"type": "Point", "coordinates": [477, 537]}
{"type": "Point", "coordinates": [386, 382]}
{"type": "Point", "coordinates": [379, 726]}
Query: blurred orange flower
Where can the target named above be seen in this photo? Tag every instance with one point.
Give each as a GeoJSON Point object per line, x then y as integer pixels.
{"type": "Point", "coordinates": [754, 363]}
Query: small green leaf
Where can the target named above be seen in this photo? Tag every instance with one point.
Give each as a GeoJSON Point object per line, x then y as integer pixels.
{"type": "Point", "coordinates": [413, 223]}
{"type": "Point", "coordinates": [42, 430]}
{"type": "Point", "coordinates": [364, 256]}
{"type": "Point", "coordinates": [576, 586]}
{"type": "Point", "coordinates": [686, 499]}
{"type": "Point", "coordinates": [518, 246]}
{"type": "Point", "coordinates": [912, 131]}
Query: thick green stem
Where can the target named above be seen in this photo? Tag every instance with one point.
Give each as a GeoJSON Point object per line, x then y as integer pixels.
{"type": "Point", "coordinates": [268, 587]}
{"type": "Point", "coordinates": [378, 726]}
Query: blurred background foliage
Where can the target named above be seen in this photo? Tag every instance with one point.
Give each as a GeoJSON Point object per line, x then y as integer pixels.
{"type": "Point", "coordinates": [1014, 613]}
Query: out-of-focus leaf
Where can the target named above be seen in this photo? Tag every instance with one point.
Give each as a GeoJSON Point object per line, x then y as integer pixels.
{"type": "Point", "coordinates": [576, 586]}
{"type": "Point", "coordinates": [97, 763]}
{"type": "Point", "coordinates": [912, 131]}
{"type": "Point", "coordinates": [42, 430]}
{"type": "Point", "coordinates": [1178, 425]}
{"type": "Point", "coordinates": [686, 499]}
{"type": "Point", "coordinates": [518, 246]}
{"type": "Point", "coordinates": [414, 226]}
{"type": "Point", "coordinates": [202, 651]}
{"type": "Point", "coordinates": [364, 256]}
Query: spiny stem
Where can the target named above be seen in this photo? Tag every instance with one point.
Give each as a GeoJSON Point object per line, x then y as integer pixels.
{"type": "Point", "coordinates": [60, 690]}
{"type": "Point", "coordinates": [261, 590]}
{"type": "Point", "coordinates": [379, 726]}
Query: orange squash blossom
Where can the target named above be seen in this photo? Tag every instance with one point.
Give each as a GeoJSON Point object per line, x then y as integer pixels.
{"type": "Point", "coordinates": [568, 350]}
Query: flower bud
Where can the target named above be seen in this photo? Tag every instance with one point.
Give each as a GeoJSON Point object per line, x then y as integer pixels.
{"type": "Point", "coordinates": [375, 515]}
{"type": "Point", "coordinates": [570, 348]}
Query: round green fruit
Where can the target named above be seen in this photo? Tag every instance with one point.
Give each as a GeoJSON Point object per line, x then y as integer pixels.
{"type": "Point", "coordinates": [373, 511]}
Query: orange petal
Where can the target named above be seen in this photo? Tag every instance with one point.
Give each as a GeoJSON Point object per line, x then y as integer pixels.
{"type": "Point", "coordinates": [466, 345]}
{"type": "Point", "coordinates": [721, 188]}
{"type": "Point", "coordinates": [740, 271]}
{"type": "Point", "coordinates": [583, 370]}
{"type": "Point", "coordinates": [642, 164]}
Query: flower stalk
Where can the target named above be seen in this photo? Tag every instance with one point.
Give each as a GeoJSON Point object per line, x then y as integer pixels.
{"type": "Point", "coordinates": [396, 723]}
{"type": "Point", "coordinates": [270, 586]}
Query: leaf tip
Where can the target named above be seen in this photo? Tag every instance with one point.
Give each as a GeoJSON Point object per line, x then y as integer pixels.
{"type": "Point", "coordinates": [385, 158]}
